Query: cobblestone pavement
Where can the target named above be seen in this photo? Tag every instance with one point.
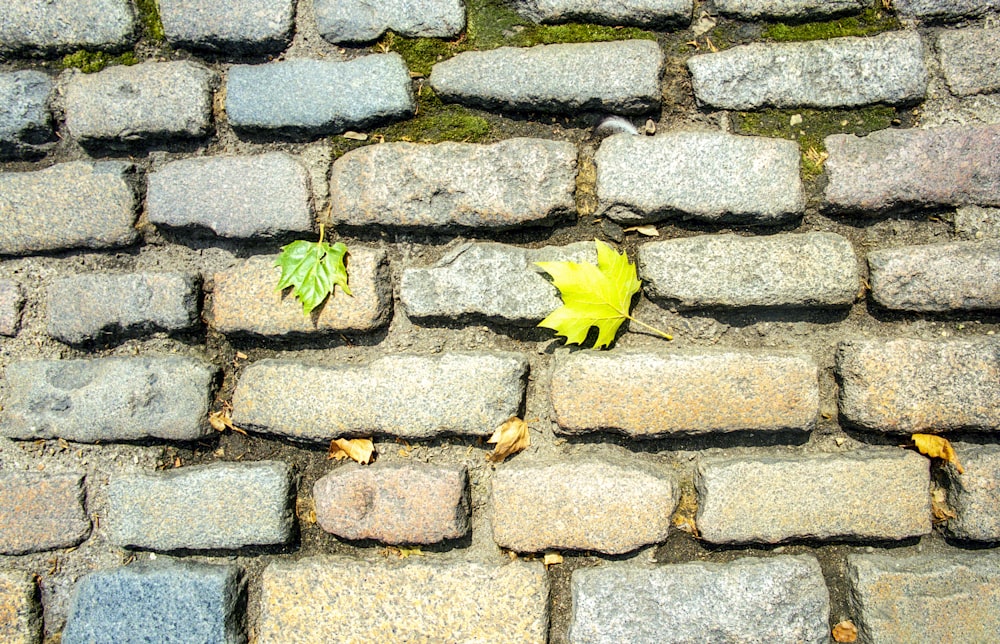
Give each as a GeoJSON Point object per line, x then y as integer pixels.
{"type": "Point", "coordinates": [810, 190]}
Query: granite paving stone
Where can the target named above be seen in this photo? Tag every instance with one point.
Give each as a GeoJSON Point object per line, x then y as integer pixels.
{"type": "Point", "coordinates": [866, 494]}
{"type": "Point", "coordinates": [492, 281]}
{"type": "Point", "coordinates": [149, 101]}
{"type": "Point", "coordinates": [401, 503]}
{"type": "Point", "coordinates": [20, 613]}
{"type": "Point", "coordinates": [220, 505]}
{"type": "Point", "coordinates": [263, 195]}
{"type": "Point", "coordinates": [774, 599]}
{"type": "Point", "coordinates": [622, 77]}
{"type": "Point", "coordinates": [68, 205]}
{"type": "Point", "coordinates": [969, 61]}
{"type": "Point", "coordinates": [52, 26]}
{"type": "Point", "coordinates": [11, 301]}
{"type": "Point", "coordinates": [307, 97]}
{"type": "Point", "coordinates": [946, 10]}
{"type": "Point", "coordinates": [514, 182]}
{"type": "Point", "coordinates": [408, 396]}
{"type": "Point", "coordinates": [710, 176]}
{"type": "Point", "coordinates": [794, 270]}
{"type": "Point", "coordinates": [836, 72]}
{"type": "Point", "coordinates": [975, 222]}
{"type": "Point", "coordinates": [947, 596]}
{"type": "Point", "coordinates": [683, 392]}
{"type": "Point", "coordinates": [974, 495]}
{"type": "Point", "coordinates": [41, 511]}
{"type": "Point", "coordinates": [661, 14]}
{"type": "Point", "coordinates": [914, 168]}
{"type": "Point", "coordinates": [244, 300]}
{"type": "Point", "coordinates": [908, 385]}
{"type": "Point", "coordinates": [108, 399]}
{"type": "Point", "coordinates": [173, 602]}
{"type": "Point", "coordinates": [228, 26]}
{"type": "Point", "coordinates": [426, 601]}
{"type": "Point", "coordinates": [358, 21]}
{"type": "Point", "coordinates": [791, 10]}
{"type": "Point", "coordinates": [25, 121]}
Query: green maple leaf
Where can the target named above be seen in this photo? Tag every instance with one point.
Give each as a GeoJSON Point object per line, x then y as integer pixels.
{"type": "Point", "coordinates": [312, 269]}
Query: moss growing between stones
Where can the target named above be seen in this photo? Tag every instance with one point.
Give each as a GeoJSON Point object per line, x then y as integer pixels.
{"type": "Point", "coordinates": [149, 17]}
{"type": "Point", "coordinates": [420, 54]}
{"type": "Point", "coordinates": [437, 122]}
{"type": "Point", "coordinates": [94, 61]}
{"type": "Point", "coordinates": [871, 21]}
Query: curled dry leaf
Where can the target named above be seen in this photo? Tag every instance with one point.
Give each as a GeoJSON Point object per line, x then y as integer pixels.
{"type": "Point", "coordinates": [355, 136]}
{"type": "Point", "coordinates": [357, 449]}
{"type": "Point", "coordinates": [845, 631]}
{"type": "Point", "coordinates": [648, 230]}
{"type": "Point", "coordinates": [552, 558]}
{"type": "Point", "coordinates": [220, 422]}
{"type": "Point", "coordinates": [939, 506]}
{"type": "Point", "coordinates": [937, 447]}
{"type": "Point", "coordinates": [510, 438]}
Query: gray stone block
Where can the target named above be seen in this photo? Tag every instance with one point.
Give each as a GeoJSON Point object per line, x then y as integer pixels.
{"type": "Point", "coordinates": [710, 176]}
{"type": "Point", "coordinates": [228, 26]}
{"type": "Point", "coordinates": [969, 61]}
{"type": "Point", "coordinates": [11, 301]}
{"type": "Point", "coordinates": [52, 26]}
{"type": "Point", "coordinates": [22, 623]}
{"type": "Point", "coordinates": [108, 399]}
{"type": "Point", "coordinates": [171, 602]}
{"type": "Point", "coordinates": [356, 21]}
{"type": "Point", "coordinates": [762, 600]}
{"type": "Point", "coordinates": [837, 72]}
{"type": "Point", "coordinates": [867, 494]}
{"type": "Point", "coordinates": [791, 10]}
{"type": "Point", "coordinates": [662, 14]}
{"type": "Point", "coordinates": [25, 121]}
{"type": "Point", "coordinates": [975, 222]}
{"type": "Point", "coordinates": [221, 505]}
{"type": "Point", "coordinates": [69, 205]}
{"type": "Point", "coordinates": [302, 97]}
{"type": "Point", "coordinates": [975, 494]}
{"type": "Point", "coordinates": [41, 511]}
{"type": "Point", "coordinates": [247, 196]}
{"type": "Point", "coordinates": [150, 101]}
{"type": "Point", "coordinates": [511, 183]}
{"type": "Point", "coordinates": [622, 77]}
{"type": "Point", "coordinates": [731, 271]}
{"type": "Point", "coordinates": [947, 10]}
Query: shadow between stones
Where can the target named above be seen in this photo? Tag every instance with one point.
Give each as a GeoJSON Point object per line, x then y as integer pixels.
{"type": "Point", "coordinates": [691, 442]}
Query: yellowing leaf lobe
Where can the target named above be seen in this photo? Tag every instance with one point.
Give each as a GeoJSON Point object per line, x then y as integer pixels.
{"type": "Point", "coordinates": [937, 447]}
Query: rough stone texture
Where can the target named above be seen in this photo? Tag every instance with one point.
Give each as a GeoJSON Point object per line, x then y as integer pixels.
{"type": "Point", "coordinates": [777, 599]}
{"type": "Point", "coordinates": [170, 602]}
{"type": "Point", "coordinates": [969, 61]}
{"type": "Point", "coordinates": [357, 21]}
{"type": "Point", "coordinates": [140, 102]}
{"type": "Point", "coordinates": [401, 395]}
{"type": "Point", "coordinates": [511, 183]}
{"type": "Point", "coordinates": [20, 613]}
{"type": "Point", "coordinates": [711, 176]}
{"type": "Point", "coordinates": [487, 280]}
{"type": "Point", "coordinates": [25, 122]}
{"type": "Point", "coordinates": [792, 10]}
{"type": "Point", "coordinates": [41, 512]}
{"type": "Point", "coordinates": [664, 14]}
{"type": "Point", "coordinates": [608, 504]}
{"type": "Point", "coordinates": [937, 277]}
{"type": "Point", "coordinates": [914, 168]}
{"type": "Point", "coordinates": [732, 271]}
{"type": "Point", "coordinates": [974, 222]}
{"type": "Point", "coordinates": [245, 301]}
{"type": "Point", "coordinates": [306, 600]}
{"type": "Point", "coordinates": [949, 596]}
{"type": "Point", "coordinates": [837, 72]}
{"type": "Point", "coordinates": [683, 392]}
{"type": "Point", "coordinates": [944, 9]}
{"type": "Point", "coordinates": [228, 26]}
{"type": "Point", "coordinates": [248, 196]}
{"type": "Point", "coordinates": [975, 494]}
{"type": "Point", "coordinates": [51, 26]}
{"type": "Point", "coordinates": [108, 399]}
{"type": "Point", "coordinates": [69, 205]}
{"type": "Point", "coordinates": [221, 505]}
{"type": "Point", "coordinates": [622, 77]}
{"type": "Point", "coordinates": [93, 306]}
{"type": "Point", "coordinates": [11, 301]}
{"type": "Point", "coordinates": [399, 503]}
{"type": "Point", "coordinates": [907, 386]}
{"type": "Point", "coordinates": [315, 97]}
{"type": "Point", "coordinates": [867, 494]}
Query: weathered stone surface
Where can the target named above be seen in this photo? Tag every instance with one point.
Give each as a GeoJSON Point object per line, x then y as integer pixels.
{"type": "Point", "coordinates": [950, 596]}
{"type": "Point", "coordinates": [975, 494]}
{"type": "Point", "coordinates": [245, 301]}
{"type": "Point", "coordinates": [174, 601]}
{"type": "Point", "coordinates": [221, 505]}
{"type": "Point", "coordinates": [399, 503]}
{"type": "Point", "coordinates": [248, 196]}
{"type": "Point", "coordinates": [975, 222]}
{"type": "Point", "coordinates": [70, 205]}
{"type": "Point", "coordinates": [867, 494]}
{"type": "Point", "coordinates": [302, 97]}
{"type": "Point", "coordinates": [969, 61]}
{"type": "Point", "coordinates": [793, 10]}
{"type": "Point", "coordinates": [683, 393]}
{"type": "Point", "coordinates": [908, 386]}
{"type": "Point", "coordinates": [25, 122]}
{"type": "Point", "coordinates": [608, 504]}
{"type": "Point", "coordinates": [140, 102]}
{"type": "Point", "coordinates": [511, 183]}
{"type": "Point", "coordinates": [11, 301]}
{"type": "Point", "coordinates": [732, 271]}
{"type": "Point", "coordinates": [621, 77]}
{"type": "Point", "coordinates": [50, 26]}
{"type": "Point", "coordinates": [493, 281]}
{"type": "Point", "coordinates": [777, 599]}
{"type": "Point", "coordinates": [937, 277]}
{"type": "Point", "coordinates": [306, 600]}
{"type": "Point", "coordinates": [108, 399]}
{"type": "Point", "coordinates": [914, 168]}
{"type": "Point", "coordinates": [41, 512]}
{"type": "Point", "coordinates": [944, 9]}
{"type": "Point", "coordinates": [228, 26]}
{"type": "Point", "coordinates": [711, 176]}
{"type": "Point", "coordinates": [642, 13]}
{"type": "Point", "coordinates": [355, 21]}
{"type": "Point", "coordinates": [93, 306]}
{"type": "Point", "coordinates": [402, 395]}
{"type": "Point", "coordinates": [20, 614]}
{"type": "Point", "coordinates": [838, 72]}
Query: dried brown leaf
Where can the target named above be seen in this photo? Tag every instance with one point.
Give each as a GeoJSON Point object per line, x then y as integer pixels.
{"type": "Point", "coordinates": [355, 136]}
{"type": "Point", "coordinates": [552, 558]}
{"type": "Point", "coordinates": [845, 631]}
{"type": "Point", "coordinates": [510, 438]}
{"type": "Point", "coordinates": [357, 449]}
{"type": "Point", "coordinates": [648, 230]}
{"type": "Point", "coordinates": [221, 421]}
{"type": "Point", "coordinates": [939, 506]}
{"type": "Point", "coordinates": [937, 447]}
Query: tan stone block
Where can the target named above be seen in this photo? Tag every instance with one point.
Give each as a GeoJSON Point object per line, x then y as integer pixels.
{"type": "Point", "coordinates": [20, 614]}
{"type": "Point", "coordinates": [41, 512]}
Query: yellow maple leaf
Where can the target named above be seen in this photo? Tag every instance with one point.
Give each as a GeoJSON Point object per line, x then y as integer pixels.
{"type": "Point", "coordinates": [510, 438]}
{"type": "Point", "coordinates": [937, 447]}
{"type": "Point", "coordinates": [358, 449]}
{"type": "Point", "coordinates": [845, 631]}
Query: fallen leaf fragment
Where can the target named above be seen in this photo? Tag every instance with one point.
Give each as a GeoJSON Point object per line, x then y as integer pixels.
{"type": "Point", "coordinates": [356, 449]}
{"type": "Point", "coordinates": [220, 422]}
{"type": "Point", "coordinates": [845, 631]}
{"type": "Point", "coordinates": [939, 506]}
{"type": "Point", "coordinates": [510, 438]}
{"type": "Point", "coordinates": [403, 552]}
{"type": "Point", "coordinates": [937, 447]}
{"type": "Point", "coordinates": [552, 558]}
{"type": "Point", "coordinates": [355, 136]}
{"type": "Point", "coordinates": [648, 230]}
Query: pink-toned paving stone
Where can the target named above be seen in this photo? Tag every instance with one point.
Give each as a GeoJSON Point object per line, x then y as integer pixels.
{"type": "Point", "coordinates": [40, 511]}
{"type": "Point", "coordinates": [20, 614]}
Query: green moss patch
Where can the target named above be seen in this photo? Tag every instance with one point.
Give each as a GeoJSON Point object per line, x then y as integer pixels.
{"type": "Point", "coordinates": [872, 21]}
{"type": "Point", "coordinates": [149, 16]}
{"type": "Point", "coordinates": [94, 61]}
{"type": "Point", "coordinates": [436, 121]}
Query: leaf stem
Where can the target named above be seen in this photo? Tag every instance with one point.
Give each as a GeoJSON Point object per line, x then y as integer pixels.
{"type": "Point", "coordinates": [322, 230]}
{"type": "Point", "coordinates": [651, 328]}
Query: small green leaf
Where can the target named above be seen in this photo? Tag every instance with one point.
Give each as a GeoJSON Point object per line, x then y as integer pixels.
{"type": "Point", "coordinates": [312, 269]}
